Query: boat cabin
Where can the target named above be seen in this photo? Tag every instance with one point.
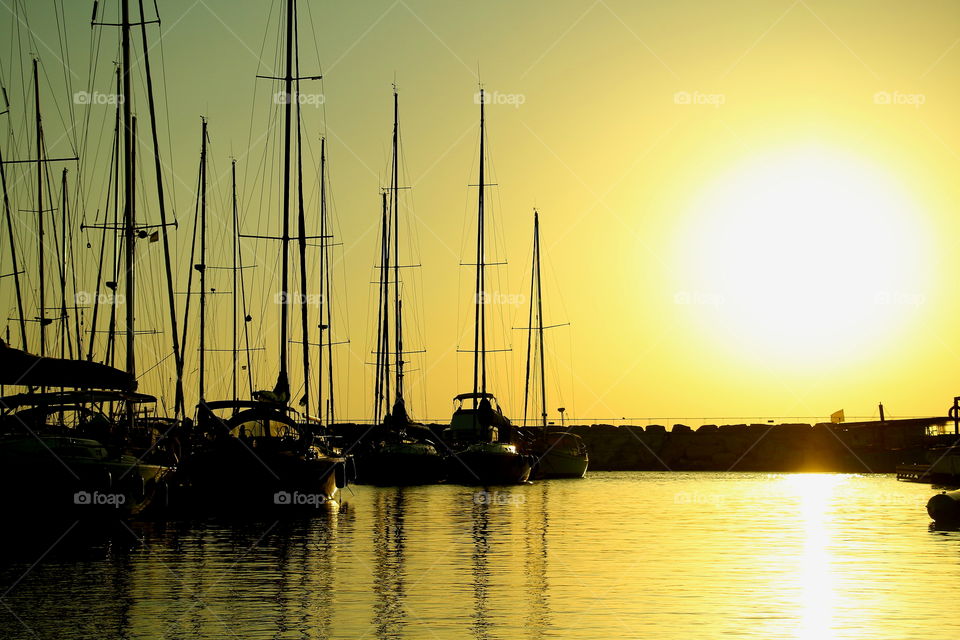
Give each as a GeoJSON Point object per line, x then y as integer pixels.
{"type": "Point", "coordinates": [90, 412]}
{"type": "Point", "coordinates": [254, 422]}
{"type": "Point", "coordinates": [480, 419]}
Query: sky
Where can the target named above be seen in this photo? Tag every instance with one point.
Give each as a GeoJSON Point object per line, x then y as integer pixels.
{"type": "Point", "coordinates": [745, 207]}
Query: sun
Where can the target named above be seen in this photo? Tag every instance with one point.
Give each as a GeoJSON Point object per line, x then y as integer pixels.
{"type": "Point", "coordinates": [804, 254]}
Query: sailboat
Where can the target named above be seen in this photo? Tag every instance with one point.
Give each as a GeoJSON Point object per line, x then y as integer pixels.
{"type": "Point", "coordinates": [481, 437]}
{"type": "Point", "coordinates": [262, 454]}
{"type": "Point", "coordinates": [400, 452]}
{"type": "Point", "coordinates": [76, 445]}
{"type": "Point", "coordinates": [558, 453]}
{"type": "Point", "coordinates": [61, 453]}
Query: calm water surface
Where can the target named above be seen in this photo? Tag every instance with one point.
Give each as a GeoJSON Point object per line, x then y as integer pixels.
{"type": "Point", "coordinates": [618, 555]}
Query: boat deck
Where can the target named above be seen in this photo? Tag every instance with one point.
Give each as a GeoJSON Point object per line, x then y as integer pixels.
{"type": "Point", "coordinates": [914, 473]}
{"type": "Point", "coordinates": [924, 474]}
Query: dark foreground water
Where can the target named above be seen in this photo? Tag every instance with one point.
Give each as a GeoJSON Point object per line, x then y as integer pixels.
{"type": "Point", "coordinates": [618, 555]}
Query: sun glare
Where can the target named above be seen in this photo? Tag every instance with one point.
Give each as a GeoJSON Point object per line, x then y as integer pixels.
{"type": "Point", "coordinates": [815, 493]}
{"type": "Point", "coordinates": [805, 254]}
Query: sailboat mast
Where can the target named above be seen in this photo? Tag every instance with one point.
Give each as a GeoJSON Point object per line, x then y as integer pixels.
{"type": "Point", "coordinates": [13, 256]}
{"type": "Point", "coordinates": [385, 304]}
{"type": "Point", "coordinates": [97, 297]}
{"type": "Point", "coordinates": [328, 266]}
{"type": "Point", "coordinates": [536, 262]}
{"type": "Point", "coordinates": [128, 209]}
{"type": "Point", "coordinates": [526, 378]}
{"type": "Point", "coordinates": [42, 320]}
{"type": "Point", "coordinates": [238, 271]}
{"type": "Point", "coordinates": [285, 238]}
{"type": "Point", "coordinates": [65, 344]}
{"type": "Point", "coordinates": [302, 232]}
{"type": "Point", "coordinates": [302, 242]}
{"type": "Point", "coordinates": [400, 349]}
{"type": "Point", "coordinates": [395, 186]}
{"type": "Point", "coordinates": [111, 350]}
{"type": "Point", "coordinates": [325, 295]}
{"type": "Point", "coordinates": [117, 245]}
{"type": "Point", "coordinates": [103, 235]}
{"type": "Point", "coordinates": [77, 311]}
{"type": "Point", "coordinates": [243, 288]}
{"type": "Point", "coordinates": [236, 249]}
{"type": "Point", "coordinates": [479, 326]}
{"type": "Point", "coordinates": [202, 266]}
{"type": "Point", "coordinates": [378, 376]}
{"type": "Point", "coordinates": [171, 302]}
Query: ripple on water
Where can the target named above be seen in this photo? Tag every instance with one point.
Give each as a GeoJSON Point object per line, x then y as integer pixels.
{"type": "Point", "coordinates": [618, 555]}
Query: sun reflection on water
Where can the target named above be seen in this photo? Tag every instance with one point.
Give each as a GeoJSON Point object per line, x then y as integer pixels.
{"type": "Point", "coordinates": [816, 494]}
{"type": "Point", "coordinates": [660, 555]}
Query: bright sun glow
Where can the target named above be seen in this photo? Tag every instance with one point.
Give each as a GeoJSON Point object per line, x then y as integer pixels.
{"type": "Point", "coordinates": [805, 255]}
{"type": "Point", "coordinates": [816, 494]}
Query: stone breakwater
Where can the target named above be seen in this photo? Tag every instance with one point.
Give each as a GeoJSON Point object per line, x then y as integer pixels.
{"type": "Point", "coordinates": [875, 447]}
{"type": "Point", "coordinates": [861, 447]}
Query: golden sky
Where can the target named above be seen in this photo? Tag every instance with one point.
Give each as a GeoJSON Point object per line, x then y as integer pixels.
{"type": "Point", "coordinates": [746, 207]}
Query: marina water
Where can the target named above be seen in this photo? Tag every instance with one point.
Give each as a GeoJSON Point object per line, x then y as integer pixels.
{"type": "Point", "coordinates": [618, 555]}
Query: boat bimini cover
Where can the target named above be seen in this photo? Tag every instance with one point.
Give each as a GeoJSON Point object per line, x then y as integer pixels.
{"type": "Point", "coordinates": [25, 369]}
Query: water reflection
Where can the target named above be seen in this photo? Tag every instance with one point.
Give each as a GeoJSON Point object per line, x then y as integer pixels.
{"type": "Point", "coordinates": [389, 574]}
{"type": "Point", "coordinates": [816, 494]}
{"type": "Point", "coordinates": [660, 555]}
{"type": "Point", "coordinates": [256, 579]}
{"type": "Point", "coordinates": [481, 573]}
{"type": "Point", "coordinates": [536, 524]}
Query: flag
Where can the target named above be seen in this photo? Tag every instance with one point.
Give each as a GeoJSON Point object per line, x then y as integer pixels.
{"type": "Point", "coordinates": [155, 236]}
{"type": "Point", "coordinates": [837, 417]}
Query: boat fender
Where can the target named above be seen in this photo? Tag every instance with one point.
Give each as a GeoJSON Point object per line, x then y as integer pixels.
{"type": "Point", "coordinates": [944, 507]}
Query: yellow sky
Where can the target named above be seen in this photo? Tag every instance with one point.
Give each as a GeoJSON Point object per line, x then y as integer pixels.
{"type": "Point", "coordinates": [639, 130]}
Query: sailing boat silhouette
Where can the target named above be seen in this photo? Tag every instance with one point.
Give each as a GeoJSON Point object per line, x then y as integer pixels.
{"type": "Point", "coordinates": [482, 439]}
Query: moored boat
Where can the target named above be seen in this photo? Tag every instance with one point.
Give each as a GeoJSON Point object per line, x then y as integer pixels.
{"type": "Point", "coordinates": [403, 463]}
{"type": "Point", "coordinates": [481, 438]}
{"type": "Point", "coordinates": [254, 456]}
{"type": "Point", "coordinates": [79, 452]}
{"type": "Point", "coordinates": [258, 459]}
{"type": "Point", "coordinates": [398, 451]}
{"type": "Point", "coordinates": [558, 453]}
{"type": "Point", "coordinates": [489, 463]}
{"type": "Point", "coordinates": [66, 476]}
